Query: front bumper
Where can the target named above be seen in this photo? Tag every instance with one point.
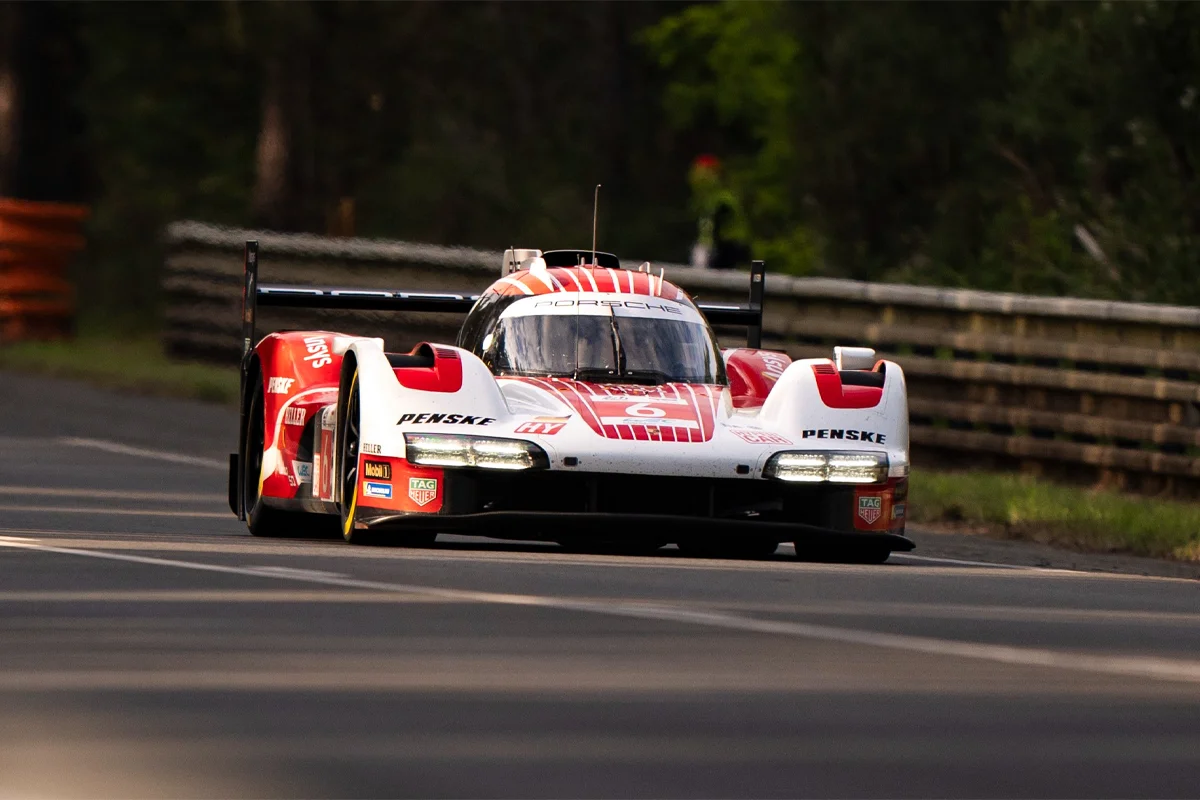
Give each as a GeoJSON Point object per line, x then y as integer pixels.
{"type": "Point", "coordinates": [556, 525]}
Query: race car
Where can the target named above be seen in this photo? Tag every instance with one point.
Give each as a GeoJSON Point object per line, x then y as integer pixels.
{"type": "Point", "coordinates": [582, 403]}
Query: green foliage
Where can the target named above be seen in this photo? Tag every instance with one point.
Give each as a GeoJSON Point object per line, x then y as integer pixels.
{"type": "Point", "coordinates": [478, 124]}
{"type": "Point", "coordinates": [1028, 146]}
{"type": "Point", "coordinates": [1027, 508]}
{"type": "Point", "coordinates": [1034, 147]}
{"type": "Point", "coordinates": [737, 64]}
{"type": "Point", "coordinates": [171, 122]}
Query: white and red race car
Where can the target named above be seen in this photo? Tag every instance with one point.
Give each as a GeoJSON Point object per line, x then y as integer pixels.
{"type": "Point", "coordinates": [582, 403]}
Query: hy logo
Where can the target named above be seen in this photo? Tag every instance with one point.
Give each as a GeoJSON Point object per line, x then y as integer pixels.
{"type": "Point", "coordinates": [422, 490]}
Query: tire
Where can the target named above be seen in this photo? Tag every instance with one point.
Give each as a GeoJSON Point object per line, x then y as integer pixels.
{"type": "Point", "coordinates": [729, 547]}
{"type": "Point", "coordinates": [869, 555]}
{"type": "Point", "coordinates": [863, 554]}
{"type": "Point", "coordinates": [348, 447]}
{"type": "Point", "coordinates": [261, 519]}
{"type": "Point", "coordinates": [611, 547]}
{"type": "Point", "coordinates": [349, 443]}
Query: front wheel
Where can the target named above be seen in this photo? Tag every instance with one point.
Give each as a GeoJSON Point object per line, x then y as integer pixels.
{"type": "Point", "coordinates": [348, 447]}
{"type": "Point", "coordinates": [862, 554]}
{"type": "Point", "coordinates": [611, 547]}
{"type": "Point", "coordinates": [747, 547]}
{"type": "Point", "coordinates": [349, 422]}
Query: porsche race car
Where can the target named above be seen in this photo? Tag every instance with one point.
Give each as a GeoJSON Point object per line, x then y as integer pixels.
{"type": "Point", "coordinates": [582, 403]}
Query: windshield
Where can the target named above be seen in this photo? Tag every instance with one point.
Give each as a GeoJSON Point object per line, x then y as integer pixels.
{"type": "Point", "coordinates": [594, 337]}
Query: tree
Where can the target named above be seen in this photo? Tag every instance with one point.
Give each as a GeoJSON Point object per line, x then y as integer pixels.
{"type": "Point", "coordinates": [10, 96]}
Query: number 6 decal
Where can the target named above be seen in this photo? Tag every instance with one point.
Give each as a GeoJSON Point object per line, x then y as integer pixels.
{"type": "Point", "coordinates": [644, 410]}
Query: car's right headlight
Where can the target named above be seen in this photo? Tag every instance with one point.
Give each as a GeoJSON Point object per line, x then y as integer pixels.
{"type": "Point", "coordinates": [447, 450]}
{"type": "Point", "coordinates": [828, 466]}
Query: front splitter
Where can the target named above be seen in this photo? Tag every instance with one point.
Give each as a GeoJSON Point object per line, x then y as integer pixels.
{"type": "Point", "coordinates": [554, 525]}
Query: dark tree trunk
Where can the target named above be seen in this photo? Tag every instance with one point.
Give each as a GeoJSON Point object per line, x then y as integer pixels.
{"type": "Point", "coordinates": [10, 97]}
{"type": "Point", "coordinates": [285, 189]}
{"type": "Point", "coordinates": [272, 156]}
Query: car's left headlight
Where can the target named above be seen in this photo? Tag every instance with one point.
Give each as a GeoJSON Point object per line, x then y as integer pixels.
{"type": "Point", "coordinates": [828, 466]}
{"type": "Point", "coordinates": [447, 450]}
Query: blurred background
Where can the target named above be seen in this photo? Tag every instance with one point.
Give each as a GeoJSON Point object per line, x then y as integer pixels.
{"type": "Point", "coordinates": [1046, 148]}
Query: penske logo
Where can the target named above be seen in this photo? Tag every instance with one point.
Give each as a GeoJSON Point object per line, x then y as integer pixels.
{"type": "Point", "coordinates": [848, 435]}
{"type": "Point", "coordinates": [445, 419]}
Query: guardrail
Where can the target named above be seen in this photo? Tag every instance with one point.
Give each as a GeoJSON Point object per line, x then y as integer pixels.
{"type": "Point", "coordinates": [1080, 390]}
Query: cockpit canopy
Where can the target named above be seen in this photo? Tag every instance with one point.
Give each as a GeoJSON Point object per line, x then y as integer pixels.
{"type": "Point", "coordinates": [594, 336]}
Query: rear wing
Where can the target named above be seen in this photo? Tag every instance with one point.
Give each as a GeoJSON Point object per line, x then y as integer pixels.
{"type": "Point", "coordinates": [254, 295]}
{"type": "Point", "coordinates": [750, 315]}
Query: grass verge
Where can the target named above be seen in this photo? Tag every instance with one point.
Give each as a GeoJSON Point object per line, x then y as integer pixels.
{"type": "Point", "coordinates": [1019, 507]}
{"type": "Point", "coordinates": [133, 363]}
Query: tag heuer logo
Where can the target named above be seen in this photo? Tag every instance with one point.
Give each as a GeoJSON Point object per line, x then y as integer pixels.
{"type": "Point", "coordinates": [422, 490]}
{"type": "Point", "coordinates": [870, 508]}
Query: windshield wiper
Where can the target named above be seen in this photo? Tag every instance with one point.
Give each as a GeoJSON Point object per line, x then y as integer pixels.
{"type": "Point", "coordinates": [612, 316]}
{"type": "Point", "coordinates": [649, 376]}
{"type": "Point", "coordinates": [600, 375]}
{"type": "Point", "coordinates": [595, 373]}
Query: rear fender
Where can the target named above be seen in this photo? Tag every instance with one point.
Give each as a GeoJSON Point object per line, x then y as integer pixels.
{"type": "Point", "coordinates": [752, 374]}
{"type": "Point", "coordinates": [796, 410]}
{"type": "Point", "coordinates": [299, 373]}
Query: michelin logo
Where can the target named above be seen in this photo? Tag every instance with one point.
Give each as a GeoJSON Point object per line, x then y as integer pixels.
{"type": "Point", "coordinates": [303, 470]}
{"type": "Point", "coordinates": [384, 490]}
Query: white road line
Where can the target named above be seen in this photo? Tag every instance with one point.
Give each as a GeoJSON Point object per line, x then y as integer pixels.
{"type": "Point", "coordinates": [118, 512]}
{"type": "Point", "coordinates": [141, 452]}
{"type": "Point", "coordinates": [933, 560]}
{"type": "Point", "coordinates": [1128, 666]}
{"type": "Point", "coordinates": [106, 494]}
{"type": "Point", "coordinates": [295, 572]}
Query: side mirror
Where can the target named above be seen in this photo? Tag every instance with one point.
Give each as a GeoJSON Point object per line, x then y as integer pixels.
{"type": "Point", "coordinates": [854, 357]}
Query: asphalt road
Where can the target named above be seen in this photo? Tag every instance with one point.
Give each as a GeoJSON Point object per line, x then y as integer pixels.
{"type": "Point", "coordinates": [150, 648]}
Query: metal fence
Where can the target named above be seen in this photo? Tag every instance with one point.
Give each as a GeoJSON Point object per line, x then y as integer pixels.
{"type": "Point", "coordinates": [1081, 390]}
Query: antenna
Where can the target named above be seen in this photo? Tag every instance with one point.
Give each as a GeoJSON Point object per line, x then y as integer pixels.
{"type": "Point", "coordinates": [595, 217]}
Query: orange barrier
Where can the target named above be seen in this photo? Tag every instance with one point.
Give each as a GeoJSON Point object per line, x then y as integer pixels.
{"type": "Point", "coordinates": [37, 241]}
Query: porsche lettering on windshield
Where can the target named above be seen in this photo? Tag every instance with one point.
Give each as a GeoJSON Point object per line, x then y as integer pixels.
{"type": "Point", "coordinates": [638, 305]}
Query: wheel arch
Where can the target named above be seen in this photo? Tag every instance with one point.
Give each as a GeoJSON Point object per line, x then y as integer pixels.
{"type": "Point", "coordinates": [347, 373]}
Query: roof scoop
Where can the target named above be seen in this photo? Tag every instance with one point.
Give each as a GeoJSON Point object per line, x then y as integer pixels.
{"type": "Point", "coordinates": [518, 258]}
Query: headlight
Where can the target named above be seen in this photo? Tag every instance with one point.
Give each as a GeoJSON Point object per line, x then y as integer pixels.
{"type": "Point", "coordinates": [441, 450]}
{"type": "Point", "coordinates": [828, 467]}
